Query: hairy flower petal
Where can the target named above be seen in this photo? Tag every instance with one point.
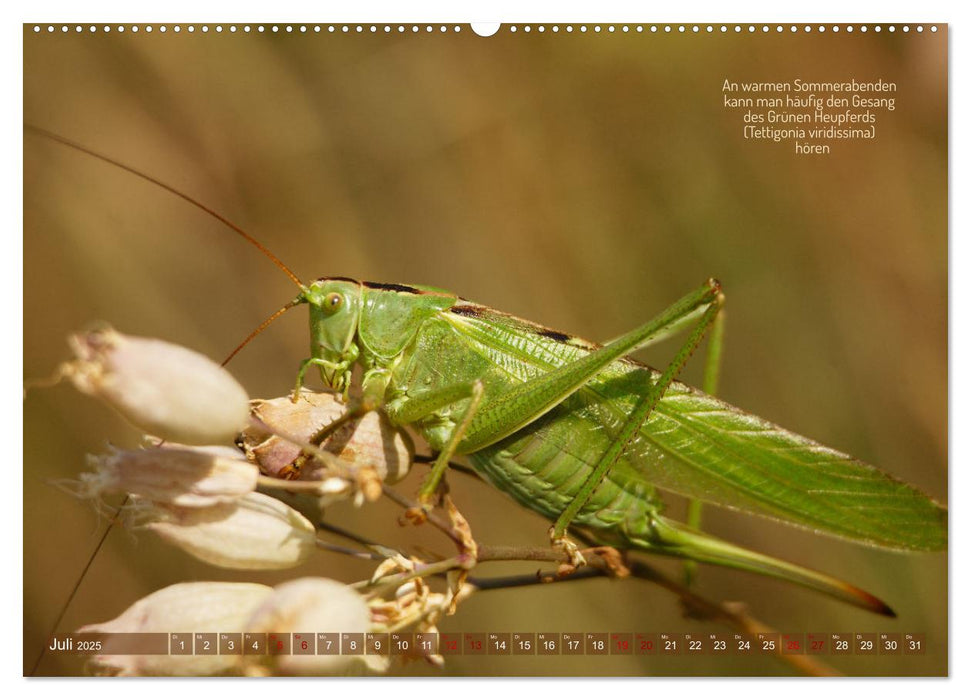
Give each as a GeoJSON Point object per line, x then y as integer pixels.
{"type": "Point", "coordinates": [182, 476]}
{"type": "Point", "coordinates": [164, 389]}
{"type": "Point", "coordinates": [254, 532]}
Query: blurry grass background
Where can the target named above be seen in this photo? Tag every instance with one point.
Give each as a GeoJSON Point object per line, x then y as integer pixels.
{"type": "Point", "coordinates": [583, 181]}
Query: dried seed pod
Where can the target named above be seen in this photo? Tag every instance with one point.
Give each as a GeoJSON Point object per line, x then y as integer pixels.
{"type": "Point", "coordinates": [199, 606]}
{"type": "Point", "coordinates": [163, 389]}
{"type": "Point", "coordinates": [181, 476]}
{"type": "Point", "coordinates": [308, 604]}
{"type": "Point", "coordinates": [253, 532]}
{"type": "Point", "coordinates": [369, 442]}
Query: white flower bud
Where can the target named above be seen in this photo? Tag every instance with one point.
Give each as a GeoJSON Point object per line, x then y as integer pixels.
{"type": "Point", "coordinates": [164, 389]}
{"type": "Point", "coordinates": [317, 605]}
{"type": "Point", "coordinates": [184, 607]}
{"type": "Point", "coordinates": [183, 476]}
{"type": "Point", "coordinates": [370, 441]}
{"type": "Point", "coordinates": [253, 532]}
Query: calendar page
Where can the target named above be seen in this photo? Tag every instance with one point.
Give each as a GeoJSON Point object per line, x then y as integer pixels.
{"type": "Point", "coordinates": [626, 356]}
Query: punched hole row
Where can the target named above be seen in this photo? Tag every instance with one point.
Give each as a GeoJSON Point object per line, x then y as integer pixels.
{"type": "Point", "coordinates": [427, 29]}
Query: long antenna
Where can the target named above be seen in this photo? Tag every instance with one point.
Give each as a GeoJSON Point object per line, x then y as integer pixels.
{"type": "Point", "coordinates": [259, 246]}
{"type": "Point", "coordinates": [134, 171]}
{"type": "Point", "coordinates": [259, 329]}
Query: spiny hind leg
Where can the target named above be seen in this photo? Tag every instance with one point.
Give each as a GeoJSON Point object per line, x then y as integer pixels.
{"type": "Point", "coordinates": [709, 384]}
{"type": "Point", "coordinates": [633, 424]}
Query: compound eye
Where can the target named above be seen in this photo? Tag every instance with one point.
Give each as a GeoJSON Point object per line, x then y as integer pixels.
{"type": "Point", "coordinates": [333, 302]}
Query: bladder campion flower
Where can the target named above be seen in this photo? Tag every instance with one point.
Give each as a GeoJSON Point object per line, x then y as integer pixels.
{"type": "Point", "coordinates": [253, 532]}
{"type": "Point", "coordinates": [181, 476]}
{"type": "Point", "coordinates": [164, 389]}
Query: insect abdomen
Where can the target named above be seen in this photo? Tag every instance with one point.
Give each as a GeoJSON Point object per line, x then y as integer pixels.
{"type": "Point", "coordinates": [544, 470]}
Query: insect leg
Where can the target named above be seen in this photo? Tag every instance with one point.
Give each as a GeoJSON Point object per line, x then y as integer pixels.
{"type": "Point", "coordinates": [374, 384]}
{"type": "Point", "coordinates": [301, 373]}
{"type": "Point", "coordinates": [517, 407]}
{"type": "Point", "coordinates": [634, 422]}
{"type": "Point", "coordinates": [422, 406]}
{"type": "Point", "coordinates": [438, 469]}
{"type": "Point", "coordinates": [713, 354]}
{"type": "Point", "coordinates": [709, 384]}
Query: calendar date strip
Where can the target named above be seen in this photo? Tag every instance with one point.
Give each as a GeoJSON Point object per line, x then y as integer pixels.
{"type": "Point", "coordinates": [418, 644]}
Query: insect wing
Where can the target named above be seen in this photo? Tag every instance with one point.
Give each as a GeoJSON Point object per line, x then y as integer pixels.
{"type": "Point", "coordinates": [698, 446]}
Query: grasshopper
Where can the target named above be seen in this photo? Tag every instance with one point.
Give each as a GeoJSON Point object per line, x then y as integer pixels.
{"type": "Point", "coordinates": [585, 436]}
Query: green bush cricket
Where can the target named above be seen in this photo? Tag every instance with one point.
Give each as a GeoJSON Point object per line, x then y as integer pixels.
{"type": "Point", "coordinates": [584, 436]}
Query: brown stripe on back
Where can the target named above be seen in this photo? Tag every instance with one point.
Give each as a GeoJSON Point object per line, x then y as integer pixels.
{"type": "Point", "coordinates": [553, 335]}
{"type": "Point", "coordinates": [470, 310]}
{"type": "Point", "coordinates": [336, 279]}
{"type": "Point", "coordinates": [392, 287]}
{"type": "Point", "coordinates": [465, 308]}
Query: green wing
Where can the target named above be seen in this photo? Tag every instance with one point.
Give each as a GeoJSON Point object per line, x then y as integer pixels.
{"type": "Point", "coordinates": [732, 458]}
{"type": "Point", "coordinates": [701, 447]}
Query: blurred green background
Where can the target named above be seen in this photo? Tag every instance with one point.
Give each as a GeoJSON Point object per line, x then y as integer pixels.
{"type": "Point", "coordinates": [583, 181]}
